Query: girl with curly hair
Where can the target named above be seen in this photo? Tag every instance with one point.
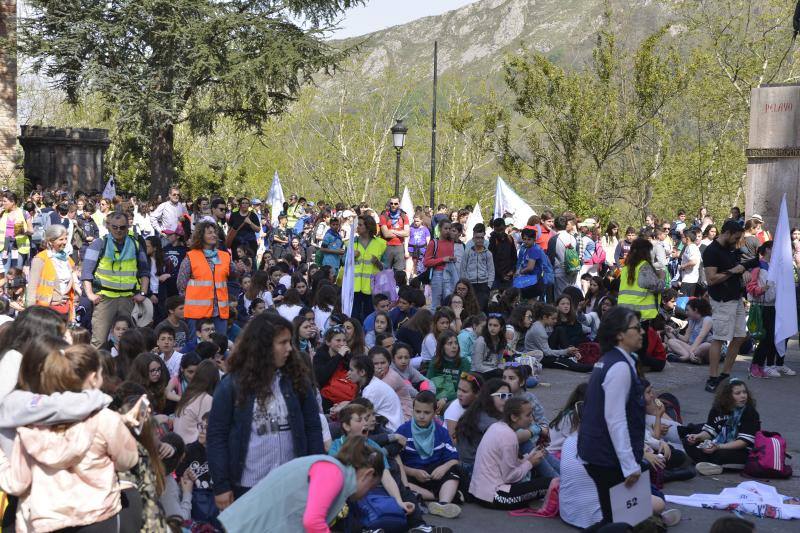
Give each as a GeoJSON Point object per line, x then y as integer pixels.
{"type": "Point", "coordinates": [265, 411]}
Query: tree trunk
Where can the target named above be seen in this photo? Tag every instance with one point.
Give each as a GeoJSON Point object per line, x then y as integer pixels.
{"type": "Point", "coordinates": [162, 160]}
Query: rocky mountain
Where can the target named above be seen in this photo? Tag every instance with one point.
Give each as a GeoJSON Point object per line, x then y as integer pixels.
{"type": "Point", "coordinates": [474, 39]}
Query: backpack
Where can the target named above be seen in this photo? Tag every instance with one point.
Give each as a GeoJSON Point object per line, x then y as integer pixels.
{"type": "Point", "coordinates": [672, 406]}
{"type": "Point", "coordinates": [598, 256]}
{"type": "Point", "coordinates": [425, 277]}
{"type": "Point", "coordinates": [572, 261]}
{"type": "Point", "coordinates": [378, 510]}
{"type": "Point", "coordinates": [40, 223]}
{"type": "Point", "coordinates": [546, 275]}
{"type": "Point", "coordinates": [767, 458]}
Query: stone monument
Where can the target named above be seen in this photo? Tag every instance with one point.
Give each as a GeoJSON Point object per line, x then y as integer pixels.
{"type": "Point", "coordinates": [773, 154]}
{"type": "Point", "coordinates": [8, 94]}
{"type": "Point", "coordinates": [64, 156]}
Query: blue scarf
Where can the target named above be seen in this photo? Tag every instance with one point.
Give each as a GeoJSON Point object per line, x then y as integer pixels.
{"type": "Point", "coordinates": [731, 428]}
{"type": "Point", "coordinates": [128, 251]}
{"type": "Point", "coordinates": [424, 438]}
{"type": "Point", "coordinates": [213, 255]}
{"type": "Point", "coordinates": [62, 255]}
{"type": "Point", "coordinates": [394, 216]}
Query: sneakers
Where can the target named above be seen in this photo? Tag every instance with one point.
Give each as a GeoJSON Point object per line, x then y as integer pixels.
{"type": "Point", "coordinates": [445, 510]}
{"type": "Point", "coordinates": [708, 469]}
{"type": "Point", "coordinates": [785, 370]}
{"type": "Point", "coordinates": [426, 528]}
{"type": "Point", "coordinates": [671, 517]}
{"type": "Point", "coordinates": [711, 384]}
{"type": "Point", "coordinates": [757, 371]}
{"type": "Point", "coordinates": [771, 372]}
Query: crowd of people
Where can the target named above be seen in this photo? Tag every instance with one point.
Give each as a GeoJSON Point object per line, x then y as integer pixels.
{"type": "Point", "coordinates": [174, 365]}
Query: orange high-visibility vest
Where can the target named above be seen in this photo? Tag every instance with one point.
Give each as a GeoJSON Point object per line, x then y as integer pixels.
{"type": "Point", "coordinates": [207, 285]}
{"type": "Point", "coordinates": [49, 281]}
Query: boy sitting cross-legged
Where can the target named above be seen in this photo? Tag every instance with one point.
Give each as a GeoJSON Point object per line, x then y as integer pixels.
{"type": "Point", "coordinates": [430, 459]}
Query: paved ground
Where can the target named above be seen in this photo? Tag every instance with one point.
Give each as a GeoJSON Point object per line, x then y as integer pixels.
{"type": "Point", "coordinates": [778, 403]}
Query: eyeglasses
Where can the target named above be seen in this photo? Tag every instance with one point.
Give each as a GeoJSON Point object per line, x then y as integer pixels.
{"type": "Point", "coordinates": [466, 376]}
{"type": "Point", "coordinates": [637, 326]}
{"type": "Point", "coordinates": [155, 370]}
{"type": "Point", "coordinates": [503, 395]}
{"type": "Point", "coordinates": [202, 426]}
{"type": "Point", "coordinates": [118, 228]}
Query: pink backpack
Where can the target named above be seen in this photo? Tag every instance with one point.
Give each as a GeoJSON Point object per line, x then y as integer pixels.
{"type": "Point", "coordinates": [768, 457]}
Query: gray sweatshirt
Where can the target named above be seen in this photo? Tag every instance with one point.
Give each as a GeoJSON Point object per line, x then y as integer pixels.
{"type": "Point", "coordinates": [22, 408]}
{"type": "Point", "coordinates": [482, 360]}
{"type": "Point", "coordinates": [536, 339]}
{"type": "Point", "coordinates": [477, 267]}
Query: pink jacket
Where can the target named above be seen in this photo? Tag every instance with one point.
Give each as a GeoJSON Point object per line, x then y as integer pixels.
{"type": "Point", "coordinates": [497, 462]}
{"type": "Point", "coordinates": [400, 386]}
{"type": "Point", "coordinates": [70, 476]}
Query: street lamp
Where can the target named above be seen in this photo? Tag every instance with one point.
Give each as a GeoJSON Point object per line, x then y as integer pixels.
{"type": "Point", "coordinates": [399, 131]}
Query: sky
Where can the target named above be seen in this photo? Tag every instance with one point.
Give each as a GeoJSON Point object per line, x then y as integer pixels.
{"type": "Point", "coordinates": [380, 14]}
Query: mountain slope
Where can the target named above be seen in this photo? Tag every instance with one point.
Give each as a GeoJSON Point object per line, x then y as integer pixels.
{"type": "Point", "coordinates": [474, 39]}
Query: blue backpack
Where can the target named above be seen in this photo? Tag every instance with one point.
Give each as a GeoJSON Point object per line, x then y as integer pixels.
{"type": "Point", "coordinates": [378, 510]}
{"type": "Point", "coordinates": [547, 275]}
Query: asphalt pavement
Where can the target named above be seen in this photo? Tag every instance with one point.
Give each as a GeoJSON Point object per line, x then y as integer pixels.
{"type": "Point", "coordinates": [777, 401]}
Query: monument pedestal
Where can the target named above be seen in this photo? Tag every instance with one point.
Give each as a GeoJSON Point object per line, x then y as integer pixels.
{"type": "Point", "coordinates": [773, 154]}
{"type": "Point", "coordinates": [71, 156]}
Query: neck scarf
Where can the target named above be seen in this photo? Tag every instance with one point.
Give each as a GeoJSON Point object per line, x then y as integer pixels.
{"type": "Point", "coordinates": [423, 438]}
{"type": "Point", "coordinates": [303, 345]}
{"type": "Point", "coordinates": [213, 255]}
{"type": "Point", "coordinates": [62, 255]}
{"type": "Point", "coordinates": [394, 216]}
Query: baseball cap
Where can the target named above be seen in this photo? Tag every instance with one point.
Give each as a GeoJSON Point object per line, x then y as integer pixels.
{"type": "Point", "coordinates": [255, 201]}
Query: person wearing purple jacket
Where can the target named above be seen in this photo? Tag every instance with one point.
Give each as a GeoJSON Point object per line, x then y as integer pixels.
{"type": "Point", "coordinates": [418, 238]}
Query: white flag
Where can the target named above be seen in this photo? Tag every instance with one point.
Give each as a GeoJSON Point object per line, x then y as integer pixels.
{"type": "Point", "coordinates": [507, 201]}
{"type": "Point", "coordinates": [349, 277]}
{"type": "Point", "coordinates": [476, 217]}
{"type": "Point", "coordinates": [781, 273]}
{"type": "Point", "coordinates": [275, 198]}
{"type": "Point", "coordinates": [407, 205]}
{"type": "Point", "coordinates": [110, 190]}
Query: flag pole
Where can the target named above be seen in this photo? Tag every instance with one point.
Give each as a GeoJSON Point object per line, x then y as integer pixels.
{"type": "Point", "coordinates": [433, 124]}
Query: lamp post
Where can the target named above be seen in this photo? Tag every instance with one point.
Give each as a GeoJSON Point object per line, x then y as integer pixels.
{"type": "Point", "coordinates": [399, 131]}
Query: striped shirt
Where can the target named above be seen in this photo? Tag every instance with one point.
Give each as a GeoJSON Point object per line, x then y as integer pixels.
{"type": "Point", "coordinates": [271, 442]}
{"type": "Point", "coordinates": [578, 503]}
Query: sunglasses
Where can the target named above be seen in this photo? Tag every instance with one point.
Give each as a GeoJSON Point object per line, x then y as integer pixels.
{"type": "Point", "coordinates": [338, 329]}
{"type": "Point", "coordinates": [514, 364]}
{"type": "Point", "coordinates": [466, 376]}
{"type": "Point", "coordinates": [394, 203]}
{"type": "Point", "coordinates": [503, 395]}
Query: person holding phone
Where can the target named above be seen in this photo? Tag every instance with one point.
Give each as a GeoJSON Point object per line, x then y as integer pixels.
{"type": "Point", "coordinates": [611, 438]}
{"type": "Point", "coordinates": [499, 476]}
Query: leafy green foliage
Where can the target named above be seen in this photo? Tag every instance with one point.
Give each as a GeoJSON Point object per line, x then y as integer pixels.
{"type": "Point", "coordinates": [163, 63]}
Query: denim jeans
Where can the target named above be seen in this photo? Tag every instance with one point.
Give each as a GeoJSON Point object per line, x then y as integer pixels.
{"type": "Point", "coordinates": [437, 288]}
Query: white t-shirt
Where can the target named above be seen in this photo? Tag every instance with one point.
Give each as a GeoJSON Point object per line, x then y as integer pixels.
{"type": "Point", "coordinates": [578, 503]}
{"type": "Point", "coordinates": [173, 364]}
{"type": "Point", "coordinates": [289, 312]}
{"type": "Point", "coordinates": [454, 411]}
{"type": "Point", "coordinates": [386, 402]}
{"type": "Point", "coordinates": [692, 253]}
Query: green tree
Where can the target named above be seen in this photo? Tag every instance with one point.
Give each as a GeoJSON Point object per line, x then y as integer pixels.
{"type": "Point", "coordinates": [163, 63]}
{"type": "Point", "coordinates": [571, 130]}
